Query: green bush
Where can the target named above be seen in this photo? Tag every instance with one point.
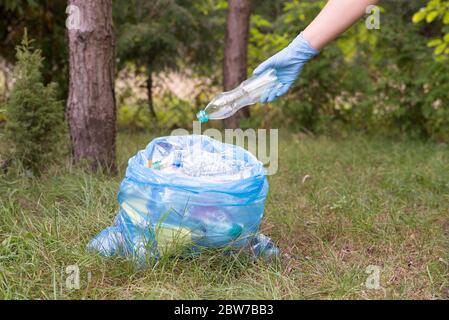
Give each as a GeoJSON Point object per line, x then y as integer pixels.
{"type": "Point", "coordinates": [172, 112]}
{"type": "Point", "coordinates": [34, 114]}
{"type": "Point", "coordinates": [436, 11]}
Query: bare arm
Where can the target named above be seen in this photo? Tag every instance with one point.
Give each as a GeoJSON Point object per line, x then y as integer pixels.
{"type": "Point", "coordinates": [334, 19]}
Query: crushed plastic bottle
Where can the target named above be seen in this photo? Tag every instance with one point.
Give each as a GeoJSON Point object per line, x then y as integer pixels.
{"type": "Point", "coordinates": [263, 246]}
{"type": "Point", "coordinates": [247, 93]}
{"type": "Point", "coordinates": [220, 230]}
{"type": "Point", "coordinates": [202, 165]}
{"type": "Point", "coordinates": [172, 161]}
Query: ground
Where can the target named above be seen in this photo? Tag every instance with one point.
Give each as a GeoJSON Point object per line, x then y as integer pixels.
{"type": "Point", "coordinates": [336, 207]}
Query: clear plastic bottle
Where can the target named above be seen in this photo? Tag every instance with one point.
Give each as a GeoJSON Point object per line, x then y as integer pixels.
{"type": "Point", "coordinates": [263, 246]}
{"type": "Point", "coordinates": [204, 164]}
{"type": "Point", "coordinates": [220, 229]}
{"type": "Point", "coordinates": [173, 161]}
{"type": "Point", "coordinates": [247, 93]}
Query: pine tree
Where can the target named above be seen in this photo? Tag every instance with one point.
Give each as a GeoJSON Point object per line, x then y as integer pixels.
{"type": "Point", "coordinates": [34, 114]}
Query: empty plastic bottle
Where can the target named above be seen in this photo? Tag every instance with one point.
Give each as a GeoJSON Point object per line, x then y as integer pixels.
{"type": "Point", "coordinates": [263, 246]}
{"type": "Point", "coordinates": [204, 164]}
{"type": "Point", "coordinates": [174, 160]}
{"type": "Point", "coordinates": [209, 167]}
{"type": "Point", "coordinates": [247, 93]}
{"type": "Point", "coordinates": [220, 229]}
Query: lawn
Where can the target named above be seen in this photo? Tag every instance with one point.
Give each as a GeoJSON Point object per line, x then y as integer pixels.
{"type": "Point", "coordinates": [365, 202]}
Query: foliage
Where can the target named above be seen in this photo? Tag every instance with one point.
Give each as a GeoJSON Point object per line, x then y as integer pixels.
{"type": "Point", "coordinates": [176, 113]}
{"type": "Point", "coordinates": [34, 113]}
{"type": "Point", "coordinates": [149, 33]}
{"type": "Point", "coordinates": [369, 80]}
{"type": "Point", "coordinates": [167, 35]}
{"type": "Point", "coordinates": [173, 113]}
{"type": "Point", "coordinates": [45, 22]}
{"type": "Point", "coordinates": [158, 34]}
{"type": "Point", "coordinates": [436, 11]}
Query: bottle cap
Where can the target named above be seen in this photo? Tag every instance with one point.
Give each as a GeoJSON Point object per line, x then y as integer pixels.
{"type": "Point", "coordinates": [202, 116]}
{"type": "Point", "coordinates": [177, 161]}
{"type": "Point", "coordinates": [236, 230]}
{"type": "Point", "coordinates": [157, 165]}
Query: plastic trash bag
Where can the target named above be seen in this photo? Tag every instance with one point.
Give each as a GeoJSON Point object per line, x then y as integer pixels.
{"type": "Point", "coordinates": [185, 193]}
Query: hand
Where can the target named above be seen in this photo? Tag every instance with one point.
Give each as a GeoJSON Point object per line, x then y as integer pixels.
{"type": "Point", "coordinates": [288, 64]}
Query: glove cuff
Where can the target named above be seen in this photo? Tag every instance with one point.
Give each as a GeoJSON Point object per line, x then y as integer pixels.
{"type": "Point", "coordinates": [300, 44]}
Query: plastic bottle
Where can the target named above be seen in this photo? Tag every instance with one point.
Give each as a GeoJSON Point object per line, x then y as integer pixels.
{"type": "Point", "coordinates": [263, 246]}
{"type": "Point", "coordinates": [247, 93]}
{"type": "Point", "coordinates": [210, 167]}
{"type": "Point", "coordinates": [204, 164]}
{"type": "Point", "coordinates": [219, 228]}
{"type": "Point", "coordinates": [174, 160]}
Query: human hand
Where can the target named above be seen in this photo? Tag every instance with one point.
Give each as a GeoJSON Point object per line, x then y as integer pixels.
{"type": "Point", "coordinates": [288, 64]}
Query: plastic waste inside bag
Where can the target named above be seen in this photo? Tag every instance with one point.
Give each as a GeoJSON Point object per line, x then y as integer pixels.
{"type": "Point", "coordinates": [186, 193]}
{"type": "Point", "coordinates": [202, 164]}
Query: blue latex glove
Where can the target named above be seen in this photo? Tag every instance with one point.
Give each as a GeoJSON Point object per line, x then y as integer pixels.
{"type": "Point", "coordinates": [288, 64]}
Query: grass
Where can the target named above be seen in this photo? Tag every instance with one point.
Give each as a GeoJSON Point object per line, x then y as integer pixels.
{"type": "Point", "coordinates": [365, 201]}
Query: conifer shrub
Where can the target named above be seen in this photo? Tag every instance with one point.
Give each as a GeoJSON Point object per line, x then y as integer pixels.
{"type": "Point", "coordinates": [34, 114]}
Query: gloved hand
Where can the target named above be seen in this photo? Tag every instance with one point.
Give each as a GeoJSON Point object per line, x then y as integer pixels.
{"type": "Point", "coordinates": [288, 64]}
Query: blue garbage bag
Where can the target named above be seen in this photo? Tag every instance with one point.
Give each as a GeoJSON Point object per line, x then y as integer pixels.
{"type": "Point", "coordinates": [201, 194]}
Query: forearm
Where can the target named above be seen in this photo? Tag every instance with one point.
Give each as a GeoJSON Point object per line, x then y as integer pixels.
{"type": "Point", "coordinates": [334, 19]}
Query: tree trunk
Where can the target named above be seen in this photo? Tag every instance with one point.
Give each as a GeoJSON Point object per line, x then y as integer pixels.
{"type": "Point", "coordinates": [150, 94]}
{"type": "Point", "coordinates": [236, 52]}
{"type": "Point", "coordinates": [91, 110]}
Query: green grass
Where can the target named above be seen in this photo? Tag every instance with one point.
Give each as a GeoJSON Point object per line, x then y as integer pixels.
{"type": "Point", "coordinates": [367, 201]}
